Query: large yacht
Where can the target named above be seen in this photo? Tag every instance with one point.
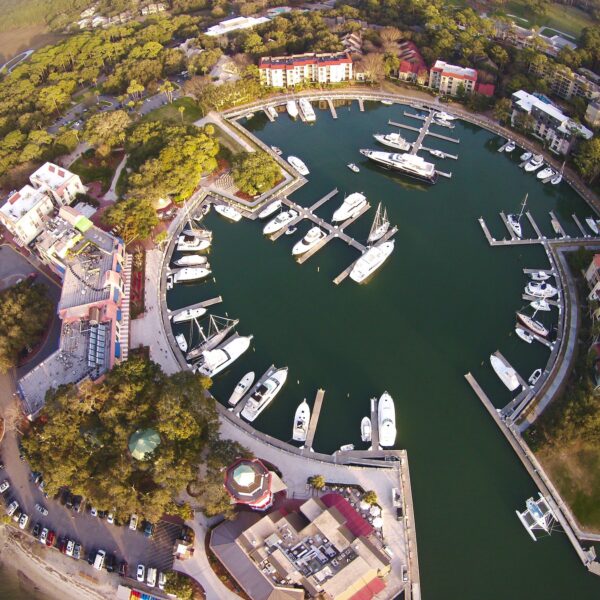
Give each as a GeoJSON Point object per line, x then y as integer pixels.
{"type": "Point", "coordinates": [280, 221]}
{"type": "Point", "coordinates": [190, 274]}
{"type": "Point", "coordinates": [307, 110]}
{"type": "Point", "coordinates": [370, 261]}
{"type": "Point", "coordinates": [191, 260]}
{"type": "Point", "coordinates": [311, 239]}
{"type": "Point", "coordinates": [410, 165]}
{"type": "Point", "coordinates": [507, 374]}
{"type": "Point", "coordinates": [546, 173]}
{"type": "Point", "coordinates": [228, 212]}
{"type": "Point", "coordinates": [386, 420]}
{"type": "Point", "coordinates": [214, 361]}
{"type": "Point", "coordinates": [264, 395]}
{"type": "Point", "coordinates": [270, 209]}
{"type": "Point", "coordinates": [191, 244]}
{"type": "Point", "coordinates": [292, 108]}
{"type": "Point", "coordinates": [393, 140]}
{"type": "Point", "coordinates": [351, 206]}
{"type": "Point", "coordinates": [540, 289]}
{"type": "Point", "coordinates": [298, 165]}
{"type": "Point", "coordinates": [241, 388]}
{"type": "Point", "coordinates": [301, 420]}
{"type": "Point", "coordinates": [536, 161]}
{"type": "Point", "coordinates": [188, 314]}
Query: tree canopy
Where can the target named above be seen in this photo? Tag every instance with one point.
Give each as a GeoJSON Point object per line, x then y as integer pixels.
{"type": "Point", "coordinates": [134, 218]}
{"type": "Point", "coordinates": [106, 130]}
{"type": "Point", "coordinates": [255, 172]}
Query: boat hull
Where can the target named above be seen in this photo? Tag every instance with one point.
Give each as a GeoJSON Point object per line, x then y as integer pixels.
{"type": "Point", "coordinates": [241, 388]}
{"type": "Point", "coordinates": [386, 417]}
{"type": "Point", "coordinates": [431, 180]}
{"type": "Point", "coordinates": [269, 210]}
{"type": "Point", "coordinates": [506, 374]}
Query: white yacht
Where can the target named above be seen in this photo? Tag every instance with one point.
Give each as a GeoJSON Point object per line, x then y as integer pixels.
{"type": "Point", "coordinates": [190, 274]}
{"type": "Point", "coordinates": [507, 375]}
{"type": "Point", "coordinates": [536, 161]}
{"type": "Point", "coordinates": [540, 276]}
{"type": "Point", "coordinates": [540, 289]}
{"type": "Point", "coordinates": [298, 165]}
{"type": "Point", "coordinates": [410, 165]}
{"type": "Point", "coordinates": [347, 448]}
{"type": "Point", "coordinates": [228, 212]}
{"type": "Point", "coordinates": [387, 102]}
{"type": "Point", "coordinates": [307, 110]}
{"type": "Point", "coordinates": [267, 211]}
{"type": "Point", "coordinates": [546, 173]}
{"type": "Point", "coordinates": [525, 156]}
{"type": "Point", "coordinates": [191, 260]}
{"type": "Point", "coordinates": [241, 388]}
{"type": "Point", "coordinates": [437, 153]}
{"type": "Point", "coordinates": [191, 244]}
{"type": "Point", "coordinates": [386, 417]}
{"type": "Point", "coordinates": [510, 146]}
{"type": "Point", "coordinates": [540, 305]}
{"type": "Point", "coordinates": [264, 394]}
{"type": "Point", "coordinates": [381, 225]}
{"type": "Point", "coordinates": [270, 110]}
{"type": "Point", "coordinates": [353, 167]}
{"type": "Point", "coordinates": [292, 108]}
{"type": "Point", "coordinates": [188, 314]}
{"type": "Point", "coordinates": [365, 429]}
{"type": "Point", "coordinates": [393, 140]}
{"type": "Point", "coordinates": [280, 221]}
{"type": "Point", "coordinates": [558, 176]}
{"type": "Point", "coordinates": [533, 378]}
{"type": "Point", "coordinates": [524, 334]}
{"type": "Point", "coordinates": [444, 116]}
{"type": "Point", "coordinates": [203, 234]}
{"type": "Point", "coordinates": [370, 261]}
{"type": "Point", "coordinates": [181, 342]}
{"type": "Point", "coordinates": [301, 420]}
{"type": "Point", "coordinates": [532, 324]}
{"type": "Point", "coordinates": [592, 224]}
{"type": "Point", "coordinates": [350, 207]}
{"type": "Point", "coordinates": [311, 239]}
{"type": "Point", "coordinates": [277, 150]}
{"type": "Point", "coordinates": [214, 361]}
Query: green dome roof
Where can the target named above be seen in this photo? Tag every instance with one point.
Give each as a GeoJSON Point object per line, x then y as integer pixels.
{"type": "Point", "coordinates": [143, 442]}
{"type": "Point", "coordinates": [244, 475]}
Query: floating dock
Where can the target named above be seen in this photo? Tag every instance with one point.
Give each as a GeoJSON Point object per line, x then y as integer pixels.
{"type": "Point", "coordinates": [584, 233]}
{"type": "Point", "coordinates": [563, 233]}
{"type": "Point", "coordinates": [512, 234]}
{"type": "Point", "coordinates": [332, 108]}
{"type": "Point", "coordinates": [431, 133]}
{"type": "Point", "coordinates": [535, 226]}
{"type": "Point", "coordinates": [361, 105]}
{"type": "Point", "coordinates": [374, 425]}
{"type": "Point", "coordinates": [203, 304]}
{"type": "Point", "coordinates": [314, 419]}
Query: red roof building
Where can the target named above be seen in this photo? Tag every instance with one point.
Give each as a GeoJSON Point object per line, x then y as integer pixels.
{"type": "Point", "coordinates": [448, 79]}
{"type": "Point", "coordinates": [288, 71]}
{"type": "Point", "coordinates": [485, 89]}
{"type": "Point", "coordinates": [412, 65]}
{"type": "Point", "coordinates": [249, 482]}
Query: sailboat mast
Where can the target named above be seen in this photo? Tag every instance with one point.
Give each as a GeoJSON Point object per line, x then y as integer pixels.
{"type": "Point", "coordinates": [523, 206]}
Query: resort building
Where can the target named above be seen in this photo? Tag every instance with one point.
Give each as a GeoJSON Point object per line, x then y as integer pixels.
{"type": "Point", "coordinates": [592, 114]}
{"type": "Point", "coordinates": [521, 37]}
{"type": "Point", "coordinates": [565, 83]}
{"type": "Point", "coordinates": [322, 549]}
{"type": "Point", "coordinates": [451, 79]}
{"type": "Point", "coordinates": [24, 211]}
{"type": "Point", "coordinates": [592, 274]}
{"type": "Point", "coordinates": [412, 66]}
{"type": "Point", "coordinates": [235, 24]}
{"type": "Point", "coordinates": [550, 123]}
{"type": "Point", "coordinates": [288, 71]}
{"type": "Point", "coordinates": [92, 306]}
{"type": "Point", "coordinates": [352, 42]}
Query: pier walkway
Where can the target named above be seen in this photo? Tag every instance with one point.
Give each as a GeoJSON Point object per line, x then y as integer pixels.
{"type": "Point", "coordinates": [332, 108]}
{"type": "Point", "coordinates": [419, 142]}
{"type": "Point", "coordinates": [374, 425]}
{"type": "Point", "coordinates": [314, 418]}
{"type": "Point", "coordinates": [427, 132]}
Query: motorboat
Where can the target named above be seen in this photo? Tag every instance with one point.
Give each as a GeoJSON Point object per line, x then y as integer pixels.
{"type": "Point", "coordinates": [443, 122]}
{"type": "Point", "coordinates": [267, 211]}
{"type": "Point", "coordinates": [292, 108]}
{"type": "Point", "coordinates": [533, 325]}
{"type": "Point", "coordinates": [290, 230]}
{"type": "Point", "coordinates": [189, 314]}
{"type": "Point", "coordinates": [311, 239]}
{"type": "Point", "coordinates": [214, 361]}
{"type": "Point", "coordinates": [249, 116]}
{"type": "Point", "coordinates": [514, 221]}
{"type": "Point", "coordinates": [347, 448]}
{"type": "Point", "coordinates": [525, 335]}
{"type": "Point", "coordinates": [507, 374]}
{"type": "Point", "coordinates": [510, 146]}
{"type": "Point", "coordinates": [380, 226]}
{"type": "Point", "coordinates": [203, 234]}
{"type": "Point", "coordinates": [228, 212]}
{"type": "Point", "coordinates": [181, 342]}
{"type": "Point", "coordinates": [592, 224]}
{"type": "Point", "coordinates": [191, 260]}
{"type": "Point", "coordinates": [540, 289]}
{"type": "Point", "coordinates": [307, 110]}
{"type": "Point", "coordinates": [536, 161]}
{"type": "Point", "coordinates": [350, 207]}
{"type": "Point", "coordinates": [277, 150]}
{"type": "Point", "coordinates": [301, 420]}
{"type": "Point", "coordinates": [556, 179]}
{"type": "Point", "coordinates": [191, 244]}
{"type": "Point", "coordinates": [546, 173]}
{"type": "Point", "coordinates": [411, 165]}
{"type": "Point", "coordinates": [353, 167]}
{"type": "Point", "coordinates": [280, 221]}
{"type": "Point", "coordinates": [241, 388]}
{"type": "Point", "coordinates": [271, 112]}
{"type": "Point", "coordinates": [393, 140]}
{"type": "Point", "coordinates": [188, 274]}
{"type": "Point", "coordinates": [169, 282]}
{"type": "Point", "coordinates": [540, 305]}
{"type": "Point", "coordinates": [437, 153]}
{"type": "Point", "coordinates": [365, 429]}
{"type": "Point", "coordinates": [540, 276]}
{"type": "Point", "coordinates": [370, 261]}
{"type": "Point", "coordinates": [525, 156]}
{"type": "Point", "coordinates": [444, 116]}
{"type": "Point", "coordinates": [386, 419]}
{"type": "Point", "coordinates": [533, 378]}
{"type": "Point", "coordinates": [298, 165]}
{"type": "Point", "coordinates": [387, 102]}
{"type": "Point", "coordinates": [264, 394]}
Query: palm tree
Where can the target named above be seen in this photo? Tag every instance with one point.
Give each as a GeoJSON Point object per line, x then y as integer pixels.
{"type": "Point", "coordinates": [181, 110]}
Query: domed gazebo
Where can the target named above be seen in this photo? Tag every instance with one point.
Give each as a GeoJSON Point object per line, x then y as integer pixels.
{"type": "Point", "coordinates": [143, 442]}
{"type": "Point", "coordinates": [249, 482]}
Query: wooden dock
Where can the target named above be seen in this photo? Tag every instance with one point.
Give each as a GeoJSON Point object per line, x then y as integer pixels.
{"type": "Point", "coordinates": [535, 226]}
{"type": "Point", "coordinates": [314, 418]}
{"type": "Point", "coordinates": [332, 108]}
{"type": "Point", "coordinates": [239, 407]}
{"type": "Point", "coordinates": [361, 105]}
{"type": "Point", "coordinates": [563, 233]}
{"type": "Point", "coordinates": [584, 233]}
{"type": "Point", "coordinates": [422, 133]}
{"type": "Point", "coordinates": [269, 115]}
{"type": "Point", "coordinates": [203, 304]}
{"type": "Point", "coordinates": [508, 227]}
{"type": "Point", "coordinates": [427, 132]}
{"type": "Point", "coordinates": [374, 425]}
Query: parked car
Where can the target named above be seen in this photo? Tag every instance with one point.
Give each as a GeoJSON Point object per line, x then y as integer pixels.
{"type": "Point", "coordinates": [77, 552]}
{"type": "Point", "coordinates": [141, 573]}
{"type": "Point", "coordinates": [51, 538]}
{"type": "Point", "coordinates": [133, 522]}
{"type": "Point", "coordinates": [12, 508]}
{"type": "Point", "coordinates": [148, 529]}
{"type": "Point", "coordinates": [110, 562]}
{"type": "Point", "coordinates": [41, 509]}
{"type": "Point", "coordinates": [23, 521]}
{"type": "Point", "coordinates": [77, 502]}
{"type": "Point", "coordinates": [62, 544]}
{"type": "Point", "coordinates": [4, 486]}
{"type": "Point", "coordinates": [123, 569]}
{"type": "Point", "coordinates": [44, 535]}
{"type": "Point", "coordinates": [70, 548]}
{"type": "Point", "coordinates": [94, 511]}
{"type": "Point", "coordinates": [35, 532]}
{"type": "Point", "coordinates": [68, 499]}
{"type": "Point", "coordinates": [110, 518]}
{"type": "Point", "coordinates": [99, 560]}
{"type": "Point", "coordinates": [151, 578]}
{"type": "Point", "coordinates": [102, 514]}
{"type": "Point", "coordinates": [162, 579]}
{"type": "Point", "coordinates": [91, 557]}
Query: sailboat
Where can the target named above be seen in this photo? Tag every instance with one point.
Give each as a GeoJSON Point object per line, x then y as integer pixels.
{"type": "Point", "coordinates": [301, 419]}
{"type": "Point", "coordinates": [218, 329]}
{"type": "Point", "coordinates": [515, 221]}
{"type": "Point", "coordinates": [380, 226]}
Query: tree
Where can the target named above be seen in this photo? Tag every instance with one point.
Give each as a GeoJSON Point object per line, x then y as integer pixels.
{"type": "Point", "coordinates": [107, 130]}
{"type": "Point", "coordinates": [389, 36]}
{"type": "Point", "coordinates": [372, 65]}
{"type": "Point", "coordinates": [181, 110]}
{"type": "Point", "coordinates": [167, 89]}
{"type": "Point", "coordinates": [180, 585]}
{"type": "Point", "coordinates": [370, 497]}
{"type": "Point", "coordinates": [587, 159]}
{"type": "Point", "coordinates": [134, 218]}
{"type": "Point", "coordinates": [317, 482]}
{"type": "Point", "coordinates": [25, 310]}
{"type": "Point", "coordinates": [255, 172]}
{"type": "Point", "coordinates": [503, 110]}
{"type": "Point", "coordinates": [135, 89]}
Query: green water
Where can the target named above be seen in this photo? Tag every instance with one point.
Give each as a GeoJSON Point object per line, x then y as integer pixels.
{"type": "Point", "coordinates": [440, 305]}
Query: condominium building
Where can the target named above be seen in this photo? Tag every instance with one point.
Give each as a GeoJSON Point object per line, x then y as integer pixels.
{"type": "Point", "coordinates": [288, 71]}
{"type": "Point", "coordinates": [565, 83]}
{"type": "Point", "coordinates": [235, 24]}
{"type": "Point", "coordinates": [550, 123]}
{"type": "Point", "coordinates": [412, 65]}
{"type": "Point", "coordinates": [91, 306]}
{"type": "Point", "coordinates": [450, 79]}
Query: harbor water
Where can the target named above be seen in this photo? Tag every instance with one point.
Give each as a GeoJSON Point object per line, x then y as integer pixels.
{"type": "Point", "coordinates": [441, 304]}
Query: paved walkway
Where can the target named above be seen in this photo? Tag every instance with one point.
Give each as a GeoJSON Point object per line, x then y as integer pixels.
{"type": "Point", "coordinates": [216, 119]}
{"type": "Point", "coordinates": [111, 195]}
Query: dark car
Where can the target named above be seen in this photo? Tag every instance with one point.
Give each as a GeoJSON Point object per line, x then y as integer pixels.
{"type": "Point", "coordinates": [77, 552]}
{"type": "Point", "coordinates": [109, 562]}
{"type": "Point", "coordinates": [62, 544]}
{"type": "Point", "coordinates": [123, 569]}
{"type": "Point", "coordinates": [77, 502]}
{"type": "Point", "coordinates": [102, 514]}
{"type": "Point", "coordinates": [148, 529]}
{"type": "Point", "coordinates": [91, 556]}
{"type": "Point", "coordinates": [68, 499]}
{"type": "Point", "coordinates": [35, 532]}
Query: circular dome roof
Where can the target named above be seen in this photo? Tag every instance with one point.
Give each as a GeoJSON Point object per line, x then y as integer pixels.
{"type": "Point", "coordinates": [244, 475]}
{"type": "Point", "coordinates": [143, 442]}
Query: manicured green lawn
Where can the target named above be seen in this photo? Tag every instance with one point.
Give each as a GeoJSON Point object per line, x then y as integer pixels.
{"type": "Point", "coordinates": [91, 168]}
{"type": "Point", "coordinates": [170, 112]}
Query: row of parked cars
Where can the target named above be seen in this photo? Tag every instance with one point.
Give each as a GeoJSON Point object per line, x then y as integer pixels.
{"type": "Point", "coordinates": [101, 559]}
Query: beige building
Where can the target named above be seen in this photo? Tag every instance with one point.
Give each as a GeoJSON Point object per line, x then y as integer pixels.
{"type": "Point", "coordinates": [288, 71]}
{"type": "Point", "coordinates": [448, 79]}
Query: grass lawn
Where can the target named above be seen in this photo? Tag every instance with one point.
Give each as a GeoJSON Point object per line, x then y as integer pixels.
{"type": "Point", "coordinates": [575, 470]}
{"type": "Point", "coordinates": [170, 112]}
{"type": "Point", "coordinates": [227, 141]}
{"type": "Point", "coordinates": [91, 168]}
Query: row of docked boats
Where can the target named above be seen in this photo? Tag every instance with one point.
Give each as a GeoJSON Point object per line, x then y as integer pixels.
{"type": "Point", "coordinates": [532, 162]}
{"type": "Point", "coordinates": [303, 106]}
{"type": "Point", "coordinates": [191, 266]}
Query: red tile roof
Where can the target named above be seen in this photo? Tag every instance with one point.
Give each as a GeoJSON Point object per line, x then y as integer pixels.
{"type": "Point", "coordinates": [354, 521]}
{"type": "Point", "coordinates": [301, 60]}
{"type": "Point", "coordinates": [370, 590]}
{"type": "Point", "coordinates": [485, 89]}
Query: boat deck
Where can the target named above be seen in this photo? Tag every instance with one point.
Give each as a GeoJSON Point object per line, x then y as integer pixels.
{"type": "Point", "coordinates": [499, 355]}
{"type": "Point", "coordinates": [314, 418]}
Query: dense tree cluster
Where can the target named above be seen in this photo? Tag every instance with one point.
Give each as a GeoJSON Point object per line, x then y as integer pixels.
{"type": "Point", "coordinates": [24, 313]}
{"type": "Point", "coordinates": [81, 438]}
{"type": "Point", "coordinates": [179, 585]}
{"type": "Point", "coordinates": [255, 172]}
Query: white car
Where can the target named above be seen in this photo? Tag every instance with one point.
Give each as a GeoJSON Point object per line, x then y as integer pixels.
{"type": "Point", "coordinates": [162, 579]}
{"type": "Point", "coordinates": [4, 486]}
{"type": "Point", "coordinates": [94, 511]}
{"type": "Point", "coordinates": [141, 572]}
{"type": "Point", "coordinates": [110, 518]}
{"type": "Point", "coordinates": [44, 535]}
{"type": "Point", "coordinates": [41, 509]}
{"type": "Point", "coordinates": [70, 548]}
{"type": "Point", "coordinates": [133, 523]}
{"type": "Point", "coordinates": [12, 508]}
{"type": "Point", "coordinates": [23, 521]}
{"type": "Point", "coordinates": [151, 578]}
